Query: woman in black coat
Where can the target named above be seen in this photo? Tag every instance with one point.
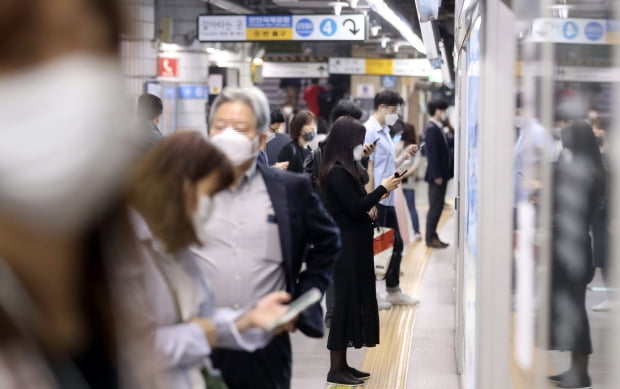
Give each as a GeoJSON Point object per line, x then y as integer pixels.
{"type": "Point", "coordinates": [302, 131]}
{"type": "Point", "coordinates": [355, 318]}
{"type": "Point", "coordinates": [579, 178]}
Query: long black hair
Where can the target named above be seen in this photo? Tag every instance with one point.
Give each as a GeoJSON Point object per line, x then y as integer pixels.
{"type": "Point", "coordinates": [579, 138]}
{"type": "Point", "coordinates": [345, 134]}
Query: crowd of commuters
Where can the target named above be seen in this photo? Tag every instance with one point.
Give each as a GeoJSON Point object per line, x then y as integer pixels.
{"type": "Point", "coordinates": [135, 259]}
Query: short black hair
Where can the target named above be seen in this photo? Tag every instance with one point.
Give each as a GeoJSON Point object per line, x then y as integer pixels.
{"type": "Point", "coordinates": [276, 114]}
{"type": "Point", "coordinates": [149, 106]}
{"type": "Point", "coordinates": [346, 108]}
{"type": "Point", "coordinates": [434, 105]}
{"type": "Point", "coordinates": [388, 97]}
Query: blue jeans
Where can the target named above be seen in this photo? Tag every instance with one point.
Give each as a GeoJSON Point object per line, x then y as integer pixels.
{"type": "Point", "coordinates": [410, 197]}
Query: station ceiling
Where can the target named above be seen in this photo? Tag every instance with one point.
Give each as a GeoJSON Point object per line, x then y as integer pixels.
{"type": "Point", "coordinates": [406, 8]}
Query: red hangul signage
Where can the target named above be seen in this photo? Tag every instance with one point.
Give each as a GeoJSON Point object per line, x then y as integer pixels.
{"type": "Point", "coordinates": [168, 67]}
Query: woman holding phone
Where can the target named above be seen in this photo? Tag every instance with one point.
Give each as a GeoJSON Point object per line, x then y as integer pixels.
{"type": "Point", "coordinates": [170, 197]}
{"type": "Point", "coordinates": [355, 318]}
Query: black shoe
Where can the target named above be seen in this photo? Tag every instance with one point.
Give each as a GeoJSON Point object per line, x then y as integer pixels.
{"type": "Point", "coordinates": [444, 244]}
{"type": "Point", "coordinates": [343, 378]}
{"type": "Point", "coordinates": [436, 244]}
{"type": "Point", "coordinates": [556, 379]}
{"type": "Point", "coordinates": [576, 382]}
{"type": "Point", "coordinates": [362, 375]}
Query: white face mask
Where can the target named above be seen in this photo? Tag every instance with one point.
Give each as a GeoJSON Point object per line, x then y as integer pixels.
{"type": "Point", "coordinates": [201, 216]}
{"type": "Point", "coordinates": [237, 147]}
{"type": "Point", "coordinates": [518, 121]}
{"type": "Point", "coordinates": [358, 152]}
{"type": "Point", "coordinates": [444, 116]}
{"type": "Point", "coordinates": [59, 166]}
{"type": "Point", "coordinates": [287, 111]}
{"type": "Point", "coordinates": [391, 118]}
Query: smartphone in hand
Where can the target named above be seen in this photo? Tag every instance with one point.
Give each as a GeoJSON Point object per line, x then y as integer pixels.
{"type": "Point", "coordinates": [399, 174]}
{"type": "Point", "coordinates": [296, 307]}
{"type": "Point", "coordinates": [376, 141]}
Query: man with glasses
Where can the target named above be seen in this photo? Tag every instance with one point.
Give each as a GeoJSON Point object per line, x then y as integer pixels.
{"type": "Point", "coordinates": [383, 164]}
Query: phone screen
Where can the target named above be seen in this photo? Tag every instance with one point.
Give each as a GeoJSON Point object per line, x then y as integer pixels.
{"type": "Point", "coordinates": [296, 307]}
{"type": "Point", "coordinates": [376, 141]}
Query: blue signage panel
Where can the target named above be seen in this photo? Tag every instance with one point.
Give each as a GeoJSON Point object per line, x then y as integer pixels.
{"type": "Point", "coordinates": [570, 30]}
{"type": "Point", "coordinates": [269, 21]}
{"type": "Point", "coordinates": [388, 82]}
{"type": "Point", "coordinates": [328, 27]}
{"type": "Point", "coordinates": [304, 27]}
{"type": "Point", "coordinates": [594, 31]}
{"type": "Point", "coordinates": [193, 91]}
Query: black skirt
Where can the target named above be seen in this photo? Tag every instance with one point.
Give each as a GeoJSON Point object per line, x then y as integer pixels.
{"type": "Point", "coordinates": [355, 320]}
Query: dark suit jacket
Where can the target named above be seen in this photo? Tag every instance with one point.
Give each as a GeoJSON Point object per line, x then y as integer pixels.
{"type": "Point", "coordinates": [307, 233]}
{"type": "Point", "coordinates": [438, 153]}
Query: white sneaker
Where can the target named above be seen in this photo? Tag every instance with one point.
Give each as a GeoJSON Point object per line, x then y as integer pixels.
{"type": "Point", "coordinates": [418, 237]}
{"type": "Point", "coordinates": [382, 303]}
{"type": "Point", "coordinates": [400, 298]}
{"type": "Point", "coordinates": [605, 306]}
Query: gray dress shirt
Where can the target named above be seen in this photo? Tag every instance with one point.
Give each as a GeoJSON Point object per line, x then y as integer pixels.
{"type": "Point", "coordinates": [242, 256]}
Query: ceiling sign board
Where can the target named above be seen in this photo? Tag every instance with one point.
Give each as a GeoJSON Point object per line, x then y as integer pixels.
{"type": "Point", "coordinates": [347, 65]}
{"type": "Point", "coordinates": [295, 70]}
{"type": "Point", "coordinates": [381, 66]}
{"type": "Point", "coordinates": [580, 31]}
{"type": "Point", "coordinates": [420, 67]}
{"type": "Point", "coordinates": [282, 28]}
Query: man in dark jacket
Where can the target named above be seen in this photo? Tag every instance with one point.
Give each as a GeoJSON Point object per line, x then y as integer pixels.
{"type": "Point", "coordinates": [148, 114]}
{"type": "Point", "coordinates": [439, 171]}
{"type": "Point", "coordinates": [263, 229]}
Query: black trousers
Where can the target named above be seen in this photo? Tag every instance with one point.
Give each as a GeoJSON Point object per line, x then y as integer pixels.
{"type": "Point", "coordinates": [267, 368]}
{"type": "Point", "coordinates": [436, 198]}
{"type": "Point", "coordinates": [386, 217]}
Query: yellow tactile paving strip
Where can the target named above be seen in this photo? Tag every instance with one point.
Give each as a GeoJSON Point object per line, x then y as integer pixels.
{"type": "Point", "coordinates": [389, 361]}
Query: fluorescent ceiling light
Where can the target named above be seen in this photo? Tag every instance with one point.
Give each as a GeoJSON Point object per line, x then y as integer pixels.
{"type": "Point", "coordinates": [399, 24]}
{"type": "Point", "coordinates": [428, 9]}
{"type": "Point", "coordinates": [229, 6]}
{"type": "Point", "coordinates": [353, 3]}
{"type": "Point", "coordinates": [429, 37]}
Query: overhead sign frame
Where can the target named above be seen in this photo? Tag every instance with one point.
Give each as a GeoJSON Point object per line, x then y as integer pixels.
{"type": "Point", "coordinates": [297, 28]}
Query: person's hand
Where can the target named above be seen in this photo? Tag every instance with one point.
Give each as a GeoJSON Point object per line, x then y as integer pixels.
{"type": "Point", "coordinates": [390, 183]}
{"type": "Point", "coordinates": [268, 309]}
{"type": "Point", "coordinates": [369, 149]}
{"type": "Point", "coordinates": [291, 326]}
{"type": "Point", "coordinates": [373, 213]}
{"type": "Point", "coordinates": [411, 150]}
{"type": "Point", "coordinates": [438, 181]}
{"type": "Point", "coordinates": [281, 165]}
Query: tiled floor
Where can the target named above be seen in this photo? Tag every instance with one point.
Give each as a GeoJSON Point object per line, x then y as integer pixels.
{"type": "Point", "coordinates": [432, 364]}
